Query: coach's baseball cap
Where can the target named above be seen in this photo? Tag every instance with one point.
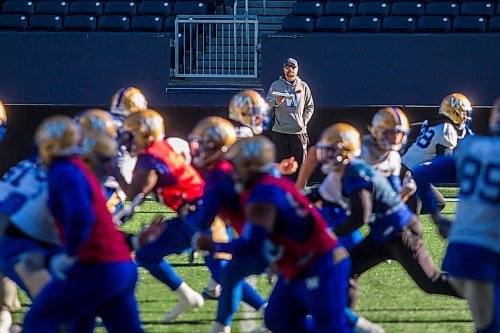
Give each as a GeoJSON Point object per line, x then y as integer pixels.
{"type": "Point", "coordinates": [290, 62]}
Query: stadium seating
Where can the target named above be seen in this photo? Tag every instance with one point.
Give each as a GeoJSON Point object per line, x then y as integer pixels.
{"type": "Point", "coordinates": [434, 24]}
{"type": "Point", "coordinates": [80, 23]}
{"type": "Point", "coordinates": [163, 8]}
{"type": "Point", "coordinates": [408, 8]}
{"type": "Point", "coordinates": [18, 22]}
{"type": "Point", "coordinates": [341, 8]}
{"type": "Point", "coordinates": [307, 9]}
{"type": "Point", "coordinates": [477, 8]}
{"type": "Point", "coordinates": [469, 24]}
{"type": "Point", "coordinates": [114, 23]}
{"type": "Point", "coordinates": [399, 24]}
{"type": "Point", "coordinates": [120, 7]}
{"type": "Point", "coordinates": [18, 7]}
{"type": "Point", "coordinates": [298, 23]}
{"type": "Point", "coordinates": [46, 22]}
{"type": "Point", "coordinates": [442, 8]}
{"type": "Point", "coordinates": [146, 23]}
{"type": "Point", "coordinates": [373, 8]}
{"type": "Point", "coordinates": [52, 7]}
{"type": "Point", "coordinates": [364, 24]}
{"type": "Point", "coordinates": [494, 25]}
{"type": "Point", "coordinates": [86, 7]}
{"type": "Point", "coordinates": [331, 24]}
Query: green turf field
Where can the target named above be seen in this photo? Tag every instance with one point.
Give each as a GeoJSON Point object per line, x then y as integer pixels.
{"type": "Point", "coordinates": [388, 296]}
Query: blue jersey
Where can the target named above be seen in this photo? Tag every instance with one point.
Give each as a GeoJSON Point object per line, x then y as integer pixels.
{"type": "Point", "coordinates": [219, 198]}
{"type": "Point", "coordinates": [389, 212]}
{"type": "Point", "coordinates": [478, 212]}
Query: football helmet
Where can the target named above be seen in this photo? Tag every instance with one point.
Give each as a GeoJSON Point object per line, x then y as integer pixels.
{"type": "Point", "coordinates": [250, 109]}
{"type": "Point", "coordinates": [128, 100]}
{"type": "Point", "coordinates": [58, 136]}
{"type": "Point", "coordinates": [457, 108]}
{"type": "Point", "coordinates": [251, 156]}
{"type": "Point", "coordinates": [337, 145]}
{"type": "Point", "coordinates": [390, 128]}
{"type": "Point", "coordinates": [3, 114]}
{"type": "Point", "coordinates": [142, 129]}
{"type": "Point", "coordinates": [98, 120]}
{"type": "Point", "coordinates": [210, 140]}
{"type": "Point", "coordinates": [99, 149]}
{"type": "Point", "coordinates": [495, 119]}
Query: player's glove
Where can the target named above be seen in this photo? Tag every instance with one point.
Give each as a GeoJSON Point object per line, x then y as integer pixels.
{"type": "Point", "coordinates": [60, 265]}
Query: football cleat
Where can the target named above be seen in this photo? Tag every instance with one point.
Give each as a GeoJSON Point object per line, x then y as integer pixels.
{"type": "Point", "coordinates": [128, 100]}
{"type": "Point", "coordinates": [188, 300]}
{"type": "Point", "coordinates": [338, 144]}
{"type": "Point", "coordinates": [390, 128]}
{"type": "Point", "coordinates": [58, 136]}
{"type": "Point", "coordinates": [457, 108]}
{"type": "Point", "coordinates": [97, 120]}
{"type": "Point", "coordinates": [251, 110]}
{"type": "Point", "coordinates": [143, 128]}
{"type": "Point", "coordinates": [210, 140]}
{"type": "Point", "coordinates": [251, 156]}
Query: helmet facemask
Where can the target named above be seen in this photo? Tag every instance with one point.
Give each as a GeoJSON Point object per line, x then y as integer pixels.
{"type": "Point", "coordinates": [332, 158]}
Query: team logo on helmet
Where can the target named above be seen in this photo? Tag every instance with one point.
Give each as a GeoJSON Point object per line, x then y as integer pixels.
{"type": "Point", "coordinates": [250, 109]}
{"type": "Point", "coordinates": [457, 108]}
{"type": "Point", "coordinates": [128, 100]}
{"type": "Point", "coordinates": [390, 128]}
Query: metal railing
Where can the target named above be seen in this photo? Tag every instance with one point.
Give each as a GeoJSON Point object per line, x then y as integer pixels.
{"type": "Point", "coordinates": [216, 46]}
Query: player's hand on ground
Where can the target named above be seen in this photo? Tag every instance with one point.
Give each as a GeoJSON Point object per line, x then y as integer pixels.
{"type": "Point", "coordinates": [443, 224]}
{"type": "Point", "coordinates": [203, 242]}
{"type": "Point", "coordinates": [60, 265]}
{"type": "Point", "coordinates": [288, 166]}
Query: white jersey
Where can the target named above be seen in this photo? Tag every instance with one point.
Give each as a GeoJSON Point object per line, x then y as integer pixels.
{"type": "Point", "coordinates": [23, 197]}
{"type": "Point", "coordinates": [424, 149]}
{"type": "Point", "coordinates": [330, 190]}
{"type": "Point", "coordinates": [478, 212]}
{"type": "Point", "coordinates": [387, 163]}
{"type": "Point", "coordinates": [181, 146]}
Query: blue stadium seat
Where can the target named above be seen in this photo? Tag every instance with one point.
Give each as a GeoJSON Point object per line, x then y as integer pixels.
{"type": "Point", "coordinates": [169, 24]}
{"type": "Point", "coordinates": [340, 8]}
{"type": "Point", "coordinates": [447, 8]}
{"type": "Point", "coordinates": [46, 22]}
{"type": "Point", "coordinates": [477, 8]}
{"type": "Point", "coordinates": [86, 7]}
{"type": "Point", "coordinates": [377, 8]}
{"type": "Point", "coordinates": [364, 24]}
{"type": "Point", "coordinates": [307, 9]}
{"type": "Point", "coordinates": [52, 7]}
{"type": "Point", "coordinates": [120, 7]}
{"type": "Point", "coordinates": [114, 23]}
{"type": "Point", "coordinates": [17, 22]}
{"type": "Point", "coordinates": [298, 23]}
{"type": "Point", "coordinates": [18, 7]}
{"type": "Point", "coordinates": [163, 8]}
{"type": "Point", "coordinates": [153, 23]}
{"type": "Point", "coordinates": [331, 24]}
{"type": "Point", "coordinates": [408, 8]}
{"type": "Point", "coordinates": [494, 25]}
{"type": "Point", "coordinates": [434, 24]}
{"type": "Point", "coordinates": [80, 23]}
{"type": "Point", "coordinates": [469, 24]}
{"type": "Point", "coordinates": [405, 24]}
{"type": "Point", "coordinates": [190, 7]}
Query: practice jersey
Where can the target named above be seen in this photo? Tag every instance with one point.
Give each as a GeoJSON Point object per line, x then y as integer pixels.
{"type": "Point", "coordinates": [219, 198]}
{"type": "Point", "coordinates": [478, 212]}
{"type": "Point", "coordinates": [178, 182]}
{"type": "Point", "coordinates": [23, 196]}
{"type": "Point", "coordinates": [424, 148]}
{"type": "Point", "coordinates": [78, 205]}
{"type": "Point", "coordinates": [389, 212]}
{"type": "Point", "coordinates": [299, 229]}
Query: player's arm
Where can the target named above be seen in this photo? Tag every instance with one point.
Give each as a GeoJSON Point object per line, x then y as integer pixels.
{"type": "Point", "coordinates": [207, 207]}
{"type": "Point", "coordinates": [361, 210]}
{"type": "Point", "coordinates": [144, 178]}
{"type": "Point", "coordinates": [307, 168]}
{"type": "Point", "coordinates": [260, 219]}
{"type": "Point", "coordinates": [74, 194]}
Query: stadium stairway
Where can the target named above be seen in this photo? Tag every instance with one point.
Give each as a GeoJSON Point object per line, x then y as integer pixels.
{"type": "Point", "coordinates": [270, 19]}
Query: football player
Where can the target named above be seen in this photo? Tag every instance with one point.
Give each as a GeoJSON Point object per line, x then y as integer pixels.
{"type": "Point", "coordinates": [313, 269]}
{"type": "Point", "coordinates": [8, 290]}
{"type": "Point", "coordinates": [395, 232]}
{"type": "Point", "coordinates": [95, 266]}
{"type": "Point", "coordinates": [439, 137]}
{"type": "Point", "coordinates": [165, 173]}
{"type": "Point", "coordinates": [251, 113]}
{"type": "Point", "coordinates": [210, 140]}
{"type": "Point", "coordinates": [472, 257]}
